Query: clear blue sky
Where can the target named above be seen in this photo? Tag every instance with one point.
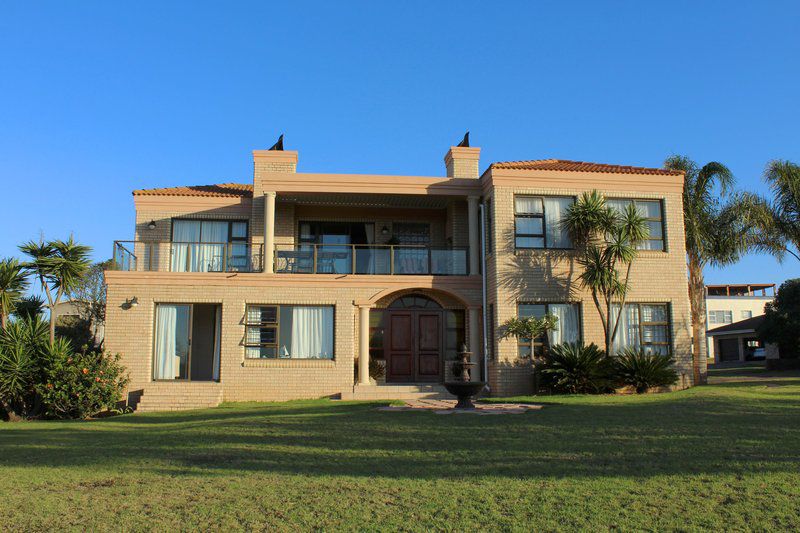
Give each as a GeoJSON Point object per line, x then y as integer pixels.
{"type": "Point", "coordinates": [99, 98]}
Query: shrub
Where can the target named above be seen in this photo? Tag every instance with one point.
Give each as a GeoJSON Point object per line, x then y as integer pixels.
{"type": "Point", "coordinates": [781, 323]}
{"type": "Point", "coordinates": [576, 368]}
{"type": "Point", "coordinates": [23, 358]}
{"type": "Point", "coordinates": [80, 385]}
{"type": "Point", "coordinates": [643, 371]}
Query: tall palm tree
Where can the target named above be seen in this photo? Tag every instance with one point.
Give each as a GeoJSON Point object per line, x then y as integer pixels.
{"type": "Point", "coordinates": [59, 267]}
{"type": "Point", "coordinates": [714, 218]}
{"type": "Point", "coordinates": [776, 223]}
{"type": "Point", "coordinates": [608, 242]}
{"type": "Point", "coordinates": [13, 283]}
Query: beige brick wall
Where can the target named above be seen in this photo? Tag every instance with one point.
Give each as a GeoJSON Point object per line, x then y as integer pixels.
{"type": "Point", "coordinates": [551, 276]}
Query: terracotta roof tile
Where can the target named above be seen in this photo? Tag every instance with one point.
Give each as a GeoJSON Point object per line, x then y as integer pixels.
{"type": "Point", "coordinates": [223, 190]}
{"type": "Point", "coordinates": [579, 166]}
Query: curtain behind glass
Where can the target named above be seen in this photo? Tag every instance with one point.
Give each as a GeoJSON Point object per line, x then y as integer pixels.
{"type": "Point", "coordinates": [184, 232]}
{"type": "Point", "coordinates": [172, 342]}
{"type": "Point", "coordinates": [554, 211]}
{"type": "Point", "coordinates": [217, 343]}
{"type": "Point", "coordinates": [312, 333]}
{"type": "Point", "coordinates": [567, 331]}
{"type": "Point", "coordinates": [210, 256]}
{"type": "Point", "coordinates": [628, 331]}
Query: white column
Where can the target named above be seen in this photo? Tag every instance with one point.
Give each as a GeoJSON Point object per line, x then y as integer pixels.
{"type": "Point", "coordinates": [474, 242]}
{"type": "Point", "coordinates": [363, 345]}
{"type": "Point", "coordinates": [269, 232]}
{"type": "Point", "coordinates": [475, 344]}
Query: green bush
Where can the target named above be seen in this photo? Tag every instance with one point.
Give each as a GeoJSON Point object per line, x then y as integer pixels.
{"type": "Point", "coordinates": [576, 369]}
{"type": "Point", "coordinates": [80, 385]}
{"type": "Point", "coordinates": [23, 360]}
{"type": "Point", "coordinates": [643, 371]}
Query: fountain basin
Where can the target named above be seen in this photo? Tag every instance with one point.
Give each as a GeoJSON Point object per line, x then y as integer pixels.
{"type": "Point", "coordinates": [464, 391]}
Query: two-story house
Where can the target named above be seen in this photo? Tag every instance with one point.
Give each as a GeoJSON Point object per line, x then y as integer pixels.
{"type": "Point", "coordinates": [302, 285]}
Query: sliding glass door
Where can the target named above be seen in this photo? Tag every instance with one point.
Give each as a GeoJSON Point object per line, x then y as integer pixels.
{"type": "Point", "coordinates": [209, 246]}
{"type": "Point", "coordinates": [187, 342]}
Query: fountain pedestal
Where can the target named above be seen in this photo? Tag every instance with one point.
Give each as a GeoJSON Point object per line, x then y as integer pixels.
{"type": "Point", "coordinates": [463, 387]}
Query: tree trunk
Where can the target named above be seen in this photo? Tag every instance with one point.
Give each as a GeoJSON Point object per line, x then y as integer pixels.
{"type": "Point", "coordinates": [3, 320]}
{"type": "Point", "coordinates": [697, 298]}
{"type": "Point", "coordinates": [10, 413]}
{"type": "Point", "coordinates": [52, 325]}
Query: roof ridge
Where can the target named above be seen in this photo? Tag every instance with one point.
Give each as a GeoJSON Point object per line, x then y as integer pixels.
{"type": "Point", "coordinates": [219, 190]}
{"type": "Point", "coordinates": [567, 165]}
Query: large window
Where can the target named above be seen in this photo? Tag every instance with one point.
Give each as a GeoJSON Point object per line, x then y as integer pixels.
{"type": "Point", "coordinates": [652, 213]}
{"type": "Point", "coordinates": [720, 317]}
{"type": "Point", "coordinates": [289, 332]}
{"type": "Point", "coordinates": [644, 326]}
{"type": "Point", "coordinates": [568, 329]}
{"type": "Point", "coordinates": [537, 222]}
{"type": "Point", "coordinates": [209, 246]}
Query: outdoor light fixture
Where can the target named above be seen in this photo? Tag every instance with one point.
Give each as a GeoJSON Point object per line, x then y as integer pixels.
{"type": "Point", "coordinates": [384, 231]}
{"type": "Point", "coordinates": [133, 302]}
{"type": "Point", "coordinates": [151, 224]}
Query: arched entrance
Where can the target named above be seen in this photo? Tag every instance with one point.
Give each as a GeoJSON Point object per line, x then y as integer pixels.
{"type": "Point", "coordinates": [418, 335]}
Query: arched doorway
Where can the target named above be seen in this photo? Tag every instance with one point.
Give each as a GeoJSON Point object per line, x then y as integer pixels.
{"type": "Point", "coordinates": [418, 336]}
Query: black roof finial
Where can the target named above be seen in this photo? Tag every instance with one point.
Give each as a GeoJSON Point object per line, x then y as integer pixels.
{"type": "Point", "coordinates": [465, 141]}
{"type": "Point", "coordinates": [278, 146]}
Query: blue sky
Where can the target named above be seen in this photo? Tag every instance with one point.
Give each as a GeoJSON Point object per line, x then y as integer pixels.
{"type": "Point", "coordinates": [100, 98]}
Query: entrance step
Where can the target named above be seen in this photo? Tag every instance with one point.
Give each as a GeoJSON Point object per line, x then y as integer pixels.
{"type": "Point", "coordinates": [410, 391]}
{"type": "Point", "coordinates": [179, 396]}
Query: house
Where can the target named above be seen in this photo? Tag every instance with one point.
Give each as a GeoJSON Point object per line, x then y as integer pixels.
{"type": "Point", "coordinates": [734, 306]}
{"type": "Point", "coordinates": [288, 286]}
{"type": "Point", "coordinates": [68, 312]}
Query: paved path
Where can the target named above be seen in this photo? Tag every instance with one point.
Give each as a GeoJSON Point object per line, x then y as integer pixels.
{"type": "Point", "coordinates": [445, 407]}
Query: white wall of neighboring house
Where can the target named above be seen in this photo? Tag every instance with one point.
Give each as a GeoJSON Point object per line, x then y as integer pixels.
{"type": "Point", "coordinates": [731, 309]}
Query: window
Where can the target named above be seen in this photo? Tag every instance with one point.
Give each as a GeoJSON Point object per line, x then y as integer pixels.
{"type": "Point", "coordinates": [720, 317]}
{"type": "Point", "coordinates": [568, 329]}
{"type": "Point", "coordinates": [652, 213]}
{"type": "Point", "coordinates": [747, 314]}
{"type": "Point", "coordinates": [289, 332]}
{"type": "Point", "coordinates": [537, 222]}
{"type": "Point", "coordinates": [490, 327]}
{"type": "Point", "coordinates": [644, 326]}
{"type": "Point", "coordinates": [209, 246]}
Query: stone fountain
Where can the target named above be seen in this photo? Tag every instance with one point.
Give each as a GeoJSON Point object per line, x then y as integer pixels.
{"type": "Point", "coordinates": [462, 386]}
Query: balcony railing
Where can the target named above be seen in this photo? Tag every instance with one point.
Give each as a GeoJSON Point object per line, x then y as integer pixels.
{"type": "Point", "coordinates": [188, 256]}
{"type": "Point", "coordinates": [369, 259]}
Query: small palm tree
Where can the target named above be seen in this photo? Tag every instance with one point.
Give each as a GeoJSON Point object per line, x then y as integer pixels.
{"type": "Point", "coordinates": [13, 283]}
{"type": "Point", "coordinates": [59, 267]}
{"type": "Point", "coordinates": [29, 307]}
{"type": "Point", "coordinates": [608, 240]}
{"type": "Point", "coordinates": [714, 217]}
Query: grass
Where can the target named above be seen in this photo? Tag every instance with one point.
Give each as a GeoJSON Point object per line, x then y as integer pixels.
{"type": "Point", "coordinates": [718, 457]}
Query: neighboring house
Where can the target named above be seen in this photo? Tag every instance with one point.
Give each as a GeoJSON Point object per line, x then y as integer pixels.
{"type": "Point", "coordinates": [734, 305]}
{"type": "Point", "coordinates": [739, 341]}
{"type": "Point", "coordinates": [68, 311]}
{"type": "Point", "coordinates": [286, 287]}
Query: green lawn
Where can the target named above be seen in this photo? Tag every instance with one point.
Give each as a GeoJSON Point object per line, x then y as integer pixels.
{"type": "Point", "coordinates": [724, 456]}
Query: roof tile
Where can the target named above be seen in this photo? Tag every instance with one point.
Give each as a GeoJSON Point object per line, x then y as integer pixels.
{"type": "Point", "coordinates": [579, 166]}
{"type": "Point", "coordinates": [222, 190]}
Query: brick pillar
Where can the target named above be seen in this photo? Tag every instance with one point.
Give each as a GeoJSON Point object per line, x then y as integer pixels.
{"type": "Point", "coordinates": [474, 242]}
{"type": "Point", "coordinates": [475, 344]}
{"type": "Point", "coordinates": [269, 232]}
{"type": "Point", "coordinates": [363, 345]}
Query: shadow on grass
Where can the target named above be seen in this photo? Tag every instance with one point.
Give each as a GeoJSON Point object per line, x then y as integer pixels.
{"type": "Point", "coordinates": [736, 428]}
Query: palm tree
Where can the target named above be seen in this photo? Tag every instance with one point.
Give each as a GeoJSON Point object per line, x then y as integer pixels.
{"type": "Point", "coordinates": [59, 267]}
{"type": "Point", "coordinates": [776, 223]}
{"type": "Point", "coordinates": [714, 220]}
{"type": "Point", "coordinates": [13, 283]}
{"type": "Point", "coordinates": [608, 240]}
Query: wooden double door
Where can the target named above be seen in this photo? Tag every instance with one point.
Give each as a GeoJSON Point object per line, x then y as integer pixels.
{"type": "Point", "coordinates": [414, 346]}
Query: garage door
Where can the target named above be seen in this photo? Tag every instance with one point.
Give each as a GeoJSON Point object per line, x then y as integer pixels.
{"type": "Point", "coordinates": [729, 349]}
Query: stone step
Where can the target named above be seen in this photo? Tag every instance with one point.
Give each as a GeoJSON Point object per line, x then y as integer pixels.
{"type": "Point", "coordinates": [178, 397]}
{"type": "Point", "coordinates": [397, 392]}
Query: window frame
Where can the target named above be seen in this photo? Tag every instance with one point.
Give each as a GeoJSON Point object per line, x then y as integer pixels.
{"type": "Point", "coordinates": [542, 216]}
{"type": "Point", "coordinates": [714, 313]}
{"type": "Point", "coordinates": [230, 221]}
{"type": "Point", "coordinates": [544, 344]}
{"type": "Point", "coordinates": [662, 220]}
{"type": "Point", "coordinates": [642, 324]}
{"type": "Point", "coordinates": [277, 326]}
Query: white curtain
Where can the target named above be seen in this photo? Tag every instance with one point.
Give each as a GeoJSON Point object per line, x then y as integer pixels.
{"type": "Point", "coordinates": [528, 204]}
{"type": "Point", "coordinates": [567, 331]}
{"type": "Point", "coordinates": [554, 211]}
{"type": "Point", "coordinates": [183, 232]}
{"type": "Point", "coordinates": [628, 331]}
{"type": "Point", "coordinates": [210, 257]}
{"type": "Point", "coordinates": [166, 322]}
{"type": "Point", "coordinates": [312, 333]}
{"type": "Point", "coordinates": [217, 343]}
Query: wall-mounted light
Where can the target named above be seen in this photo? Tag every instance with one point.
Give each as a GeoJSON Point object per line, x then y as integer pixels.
{"type": "Point", "coordinates": [132, 302]}
{"type": "Point", "coordinates": [151, 224]}
{"type": "Point", "coordinates": [384, 231]}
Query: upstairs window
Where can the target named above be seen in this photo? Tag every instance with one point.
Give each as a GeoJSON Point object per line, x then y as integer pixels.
{"type": "Point", "coordinates": [537, 222]}
{"type": "Point", "coordinates": [720, 317]}
{"type": "Point", "coordinates": [652, 212]}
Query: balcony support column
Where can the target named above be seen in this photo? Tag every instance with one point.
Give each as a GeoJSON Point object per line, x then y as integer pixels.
{"type": "Point", "coordinates": [269, 232]}
{"type": "Point", "coordinates": [474, 243]}
{"type": "Point", "coordinates": [363, 345]}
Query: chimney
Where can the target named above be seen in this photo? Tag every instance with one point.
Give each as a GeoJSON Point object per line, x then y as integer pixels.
{"type": "Point", "coordinates": [462, 162]}
{"type": "Point", "coordinates": [268, 163]}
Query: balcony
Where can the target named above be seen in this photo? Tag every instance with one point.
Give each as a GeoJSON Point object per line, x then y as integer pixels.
{"type": "Point", "coordinates": [151, 256]}
{"type": "Point", "coordinates": [360, 259]}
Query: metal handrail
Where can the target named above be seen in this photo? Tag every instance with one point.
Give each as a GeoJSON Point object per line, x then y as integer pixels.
{"type": "Point", "coordinates": [308, 258]}
{"type": "Point", "coordinates": [226, 260]}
